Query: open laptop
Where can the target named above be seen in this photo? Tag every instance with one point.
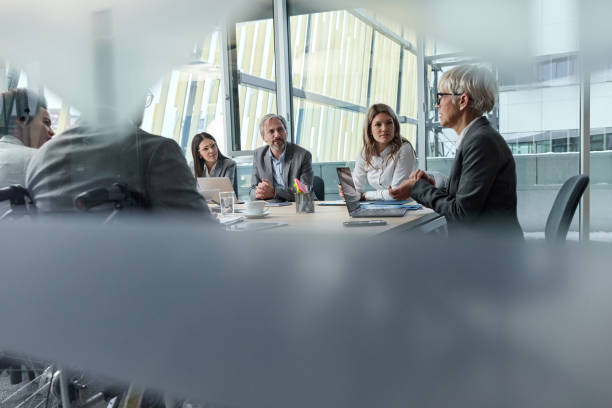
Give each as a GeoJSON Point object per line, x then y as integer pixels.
{"type": "Point", "coordinates": [210, 187]}
{"type": "Point", "coordinates": [351, 197]}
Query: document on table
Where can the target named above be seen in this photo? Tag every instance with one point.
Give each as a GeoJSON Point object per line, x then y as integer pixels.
{"type": "Point", "coordinates": [331, 203]}
{"type": "Point", "coordinates": [230, 219]}
{"type": "Point", "coordinates": [377, 202]}
{"type": "Point", "coordinates": [389, 202]}
{"type": "Point", "coordinates": [273, 203]}
{"type": "Point", "coordinates": [255, 226]}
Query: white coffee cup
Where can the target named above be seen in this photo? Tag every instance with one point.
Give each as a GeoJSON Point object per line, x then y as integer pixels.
{"type": "Point", "coordinates": [256, 207]}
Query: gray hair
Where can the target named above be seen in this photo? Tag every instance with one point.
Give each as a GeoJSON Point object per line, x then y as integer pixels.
{"type": "Point", "coordinates": [266, 118]}
{"type": "Point", "coordinates": [477, 82]}
{"type": "Point", "coordinates": [18, 104]}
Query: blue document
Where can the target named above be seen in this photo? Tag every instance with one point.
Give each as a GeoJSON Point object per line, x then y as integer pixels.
{"type": "Point", "coordinates": [389, 202]}
{"type": "Point", "coordinates": [383, 206]}
{"type": "Point", "coordinates": [331, 203]}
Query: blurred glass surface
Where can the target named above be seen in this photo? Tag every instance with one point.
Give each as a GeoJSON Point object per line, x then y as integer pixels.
{"type": "Point", "coordinates": [189, 99]}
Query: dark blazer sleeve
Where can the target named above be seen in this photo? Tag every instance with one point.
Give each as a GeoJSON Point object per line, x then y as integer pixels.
{"type": "Point", "coordinates": [170, 183]}
{"type": "Point", "coordinates": [479, 165]}
{"type": "Point", "coordinates": [304, 174]}
{"type": "Point", "coordinates": [230, 172]}
{"type": "Point", "coordinates": [255, 175]}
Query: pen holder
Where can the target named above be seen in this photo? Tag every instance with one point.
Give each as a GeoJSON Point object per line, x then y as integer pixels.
{"type": "Point", "coordinates": [304, 203]}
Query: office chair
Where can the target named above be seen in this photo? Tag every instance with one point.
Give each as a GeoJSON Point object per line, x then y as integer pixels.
{"type": "Point", "coordinates": [318, 186]}
{"type": "Point", "coordinates": [564, 207]}
{"type": "Point", "coordinates": [20, 199]}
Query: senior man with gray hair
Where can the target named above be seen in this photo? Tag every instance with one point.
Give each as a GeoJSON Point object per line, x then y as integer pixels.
{"type": "Point", "coordinates": [278, 163]}
{"type": "Point", "coordinates": [480, 195]}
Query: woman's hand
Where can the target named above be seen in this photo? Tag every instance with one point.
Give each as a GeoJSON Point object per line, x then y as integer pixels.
{"type": "Point", "coordinates": [361, 198]}
{"type": "Point", "coordinates": [420, 174]}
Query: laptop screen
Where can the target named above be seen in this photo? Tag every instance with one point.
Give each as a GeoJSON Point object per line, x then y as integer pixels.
{"type": "Point", "coordinates": [351, 196]}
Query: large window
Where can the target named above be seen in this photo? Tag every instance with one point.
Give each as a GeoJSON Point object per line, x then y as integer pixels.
{"type": "Point", "coordinates": [330, 82]}
{"type": "Point", "coordinates": [601, 153]}
{"type": "Point", "coordinates": [255, 78]}
{"type": "Point", "coordinates": [342, 62]}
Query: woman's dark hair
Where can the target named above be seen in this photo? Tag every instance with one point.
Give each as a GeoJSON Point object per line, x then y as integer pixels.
{"type": "Point", "coordinates": [198, 161]}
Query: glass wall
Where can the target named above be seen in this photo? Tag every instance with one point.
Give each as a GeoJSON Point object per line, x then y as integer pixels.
{"type": "Point", "coordinates": [601, 153]}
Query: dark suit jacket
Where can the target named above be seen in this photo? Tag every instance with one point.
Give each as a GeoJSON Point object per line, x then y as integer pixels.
{"type": "Point", "coordinates": [481, 192]}
{"type": "Point", "coordinates": [226, 168]}
{"type": "Point", "coordinates": [298, 164]}
{"type": "Point", "coordinates": [84, 158]}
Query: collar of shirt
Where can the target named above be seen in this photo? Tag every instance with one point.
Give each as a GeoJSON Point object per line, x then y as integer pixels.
{"type": "Point", "coordinates": [11, 139]}
{"type": "Point", "coordinates": [208, 173]}
{"type": "Point", "coordinates": [464, 131]}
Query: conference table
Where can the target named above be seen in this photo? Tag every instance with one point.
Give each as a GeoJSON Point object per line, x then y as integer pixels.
{"type": "Point", "coordinates": [329, 219]}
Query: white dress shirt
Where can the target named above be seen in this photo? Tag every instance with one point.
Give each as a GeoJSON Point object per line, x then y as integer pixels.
{"type": "Point", "coordinates": [383, 172]}
{"type": "Point", "coordinates": [212, 169]}
{"type": "Point", "coordinates": [277, 169]}
{"type": "Point", "coordinates": [464, 131]}
{"type": "Point", "coordinates": [14, 159]}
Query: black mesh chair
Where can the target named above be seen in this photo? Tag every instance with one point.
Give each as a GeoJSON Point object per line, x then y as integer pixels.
{"type": "Point", "coordinates": [318, 186]}
{"type": "Point", "coordinates": [564, 207]}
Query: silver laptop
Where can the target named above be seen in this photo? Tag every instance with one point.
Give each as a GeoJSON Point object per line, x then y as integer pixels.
{"type": "Point", "coordinates": [353, 205]}
{"type": "Point", "coordinates": [210, 187]}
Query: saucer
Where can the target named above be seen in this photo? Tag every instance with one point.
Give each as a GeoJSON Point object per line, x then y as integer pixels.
{"type": "Point", "coordinates": [258, 215]}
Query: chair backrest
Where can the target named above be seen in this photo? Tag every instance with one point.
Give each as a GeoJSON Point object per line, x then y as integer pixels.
{"type": "Point", "coordinates": [564, 207]}
{"type": "Point", "coordinates": [318, 186]}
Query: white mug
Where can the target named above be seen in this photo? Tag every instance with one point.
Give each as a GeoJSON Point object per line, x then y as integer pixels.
{"type": "Point", "coordinates": [256, 207]}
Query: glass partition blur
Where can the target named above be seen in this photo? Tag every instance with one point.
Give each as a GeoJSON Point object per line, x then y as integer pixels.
{"type": "Point", "coordinates": [189, 99]}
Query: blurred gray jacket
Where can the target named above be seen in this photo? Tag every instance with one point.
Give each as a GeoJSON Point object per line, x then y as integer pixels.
{"type": "Point", "coordinates": [83, 158]}
{"type": "Point", "coordinates": [298, 164]}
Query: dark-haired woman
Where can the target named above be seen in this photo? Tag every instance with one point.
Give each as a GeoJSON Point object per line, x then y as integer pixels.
{"type": "Point", "coordinates": [209, 162]}
{"type": "Point", "coordinates": [386, 158]}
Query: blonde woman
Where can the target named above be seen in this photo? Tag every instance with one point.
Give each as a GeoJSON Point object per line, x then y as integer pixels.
{"type": "Point", "coordinates": [386, 158]}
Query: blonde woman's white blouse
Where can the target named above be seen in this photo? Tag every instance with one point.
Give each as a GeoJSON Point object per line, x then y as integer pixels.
{"type": "Point", "coordinates": [383, 172]}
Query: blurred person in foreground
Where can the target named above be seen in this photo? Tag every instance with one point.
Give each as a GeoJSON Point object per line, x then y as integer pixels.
{"type": "Point", "coordinates": [89, 157]}
{"type": "Point", "coordinates": [208, 161]}
{"type": "Point", "coordinates": [480, 196]}
{"type": "Point", "coordinates": [25, 125]}
{"type": "Point", "coordinates": [277, 164]}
